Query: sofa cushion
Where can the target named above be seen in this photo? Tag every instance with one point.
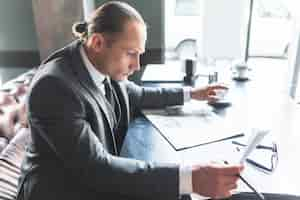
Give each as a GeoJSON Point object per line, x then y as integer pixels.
{"type": "Point", "coordinates": [10, 164]}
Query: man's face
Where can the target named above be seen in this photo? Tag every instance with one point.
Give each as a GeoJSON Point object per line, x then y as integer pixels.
{"type": "Point", "coordinates": [121, 57]}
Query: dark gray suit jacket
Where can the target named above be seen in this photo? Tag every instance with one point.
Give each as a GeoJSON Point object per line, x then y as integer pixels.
{"type": "Point", "coordinates": [74, 150]}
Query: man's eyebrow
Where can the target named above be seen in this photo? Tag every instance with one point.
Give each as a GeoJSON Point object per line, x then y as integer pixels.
{"type": "Point", "coordinates": [136, 50]}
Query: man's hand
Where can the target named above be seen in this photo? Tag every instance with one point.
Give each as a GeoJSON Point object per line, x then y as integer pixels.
{"type": "Point", "coordinates": [215, 180]}
{"type": "Point", "coordinates": [207, 93]}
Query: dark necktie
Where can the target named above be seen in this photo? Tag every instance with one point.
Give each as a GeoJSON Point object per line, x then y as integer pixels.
{"type": "Point", "coordinates": [108, 92]}
{"type": "Point", "coordinates": [112, 101]}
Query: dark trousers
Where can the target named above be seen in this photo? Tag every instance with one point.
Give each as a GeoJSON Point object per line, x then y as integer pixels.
{"type": "Point", "coordinates": [268, 196]}
{"type": "Point", "coordinates": [252, 196]}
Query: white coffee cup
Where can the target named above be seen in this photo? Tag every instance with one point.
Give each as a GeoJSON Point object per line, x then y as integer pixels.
{"type": "Point", "coordinates": [240, 70]}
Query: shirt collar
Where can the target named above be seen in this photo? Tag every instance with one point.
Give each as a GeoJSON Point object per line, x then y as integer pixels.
{"type": "Point", "coordinates": [96, 76]}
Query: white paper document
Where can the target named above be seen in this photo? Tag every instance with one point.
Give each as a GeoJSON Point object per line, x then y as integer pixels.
{"type": "Point", "coordinates": [254, 140]}
{"type": "Point", "coordinates": [171, 72]}
{"type": "Point", "coordinates": [191, 125]}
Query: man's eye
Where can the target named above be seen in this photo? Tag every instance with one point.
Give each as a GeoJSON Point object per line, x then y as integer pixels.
{"type": "Point", "coordinates": [130, 53]}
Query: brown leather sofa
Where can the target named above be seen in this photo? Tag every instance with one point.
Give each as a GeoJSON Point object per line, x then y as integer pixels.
{"type": "Point", "coordinates": [13, 133]}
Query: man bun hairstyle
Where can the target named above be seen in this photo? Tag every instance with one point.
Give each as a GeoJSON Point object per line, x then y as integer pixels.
{"type": "Point", "coordinates": [108, 19]}
{"type": "Point", "coordinates": [79, 30]}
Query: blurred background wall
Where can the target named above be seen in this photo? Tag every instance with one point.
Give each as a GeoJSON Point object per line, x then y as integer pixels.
{"type": "Point", "coordinates": [53, 22]}
{"type": "Point", "coordinates": [18, 39]}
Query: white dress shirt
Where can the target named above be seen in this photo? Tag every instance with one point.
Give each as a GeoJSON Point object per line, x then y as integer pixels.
{"type": "Point", "coordinates": [96, 76]}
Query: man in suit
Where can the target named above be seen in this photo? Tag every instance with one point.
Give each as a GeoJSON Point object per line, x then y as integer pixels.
{"type": "Point", "coordinates": [79, 107]}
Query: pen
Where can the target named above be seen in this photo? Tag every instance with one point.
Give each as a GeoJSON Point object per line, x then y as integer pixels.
{"type": "Point", "coordinates": [258, 194]}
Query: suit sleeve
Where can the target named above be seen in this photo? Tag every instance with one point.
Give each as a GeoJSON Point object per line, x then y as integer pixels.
{"type": "Point", "coordinates": [153, 97]}
{"type": "Point", "coordinates": [58, 116]}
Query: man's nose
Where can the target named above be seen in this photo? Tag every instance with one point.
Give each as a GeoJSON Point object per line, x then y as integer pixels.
{"type": "Point", "coordinates": [136, 64]}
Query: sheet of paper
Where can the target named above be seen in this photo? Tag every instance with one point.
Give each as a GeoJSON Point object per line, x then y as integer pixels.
{"type": "Point", "coordinates": [163, 72]}
{"type": "Point", "coordinates": [254, 140]}
{"type": "Point", "coordinates": [191, 125]}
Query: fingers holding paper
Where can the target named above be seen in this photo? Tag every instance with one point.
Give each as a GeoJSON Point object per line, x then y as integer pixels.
{"type": "Point", "coordinates": [215, 180]}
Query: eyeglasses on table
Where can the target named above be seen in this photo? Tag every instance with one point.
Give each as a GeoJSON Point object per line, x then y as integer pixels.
{"type": "Point", "coordinates": [273, 160]}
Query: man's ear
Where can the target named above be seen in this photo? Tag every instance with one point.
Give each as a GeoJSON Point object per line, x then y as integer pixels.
{"type": "Point", "coordinates": [97, 42]}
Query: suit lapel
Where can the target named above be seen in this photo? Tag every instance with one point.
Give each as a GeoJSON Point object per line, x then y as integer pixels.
{"type": "Point", "coordinates": [86, 81]}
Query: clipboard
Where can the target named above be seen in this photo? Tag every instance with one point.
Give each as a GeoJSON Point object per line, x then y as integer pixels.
{"type": "Point", "coordinates": [192, 125]}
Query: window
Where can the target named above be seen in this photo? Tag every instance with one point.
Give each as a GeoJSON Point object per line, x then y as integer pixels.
{"type": "Point", "coordinates": [270, 29]}
{"type": "Point", "coordinates": [206, 27]}
{"type": "Point", "coordinates": [178, 28]}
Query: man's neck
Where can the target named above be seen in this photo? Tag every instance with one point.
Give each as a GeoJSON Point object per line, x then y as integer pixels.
{"type": "Point", "coordinates": [92, 58]}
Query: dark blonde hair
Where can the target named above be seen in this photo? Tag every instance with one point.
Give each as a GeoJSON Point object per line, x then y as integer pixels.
{"type": "Point", "coordinates": [109, 19]}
